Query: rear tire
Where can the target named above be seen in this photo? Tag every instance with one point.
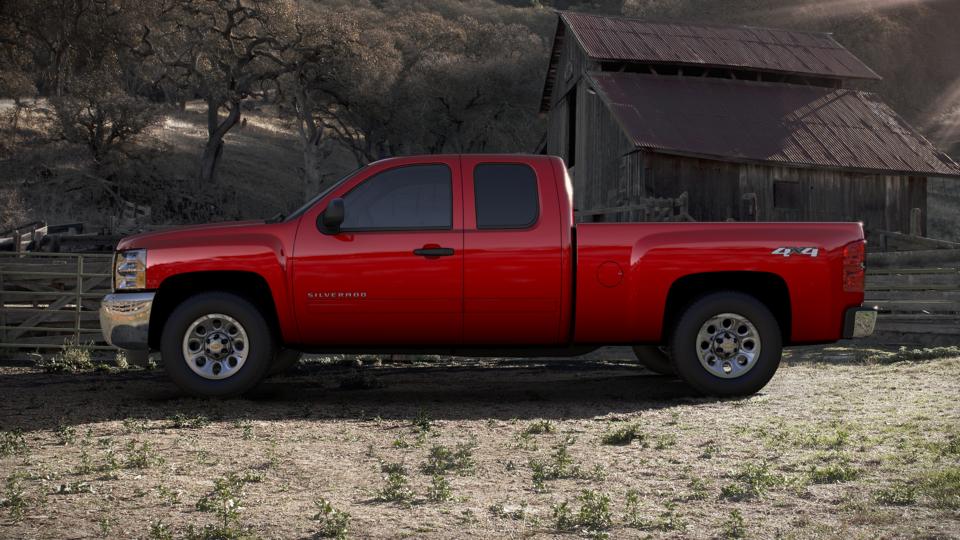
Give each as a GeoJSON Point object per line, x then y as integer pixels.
{"type": "Point", "coordinates": [655, 359]}
{"type": "Point", "coordinates": [727, 344]}
{"type": "Point", "coordinates": [196, 360]}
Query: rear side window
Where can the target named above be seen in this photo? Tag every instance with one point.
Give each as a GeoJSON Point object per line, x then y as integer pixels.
{"type": "Point", "coordinates": [405, 198]}
{"type": "Point", "coordinates": [506, 196]}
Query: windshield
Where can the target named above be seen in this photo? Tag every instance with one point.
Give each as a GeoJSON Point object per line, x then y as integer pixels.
{"type": "Point", "coordinates": [299, 211]}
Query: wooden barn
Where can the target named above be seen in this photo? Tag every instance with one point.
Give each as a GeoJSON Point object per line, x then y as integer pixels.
{"type": "Point", "coordinates": [742, 123]}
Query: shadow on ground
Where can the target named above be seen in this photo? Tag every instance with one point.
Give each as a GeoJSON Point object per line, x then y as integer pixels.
{"type": "Point", "coordinates": [451, 390]}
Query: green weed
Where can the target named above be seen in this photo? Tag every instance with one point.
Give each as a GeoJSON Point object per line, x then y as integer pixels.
{"type": "Point", "coordinates": [66, 434]}
{"type": "Point", "coordinates": [169, 496]}
{"type": "Point", "coordinates": [838, 470]}
{"type": "Point", "coordinates": [332, 523]}
{"type": "Point", "coordinates": [182, 421]}
{"type": "Point", "coordinates": [12, 443]}
{"type": "Point", "coordinates": [439, 490]}
{"type": "Point", "coordinates": [442, 459]}
{"type": "Point", "coordinates": [560, 465]}
{"type": "Point", "coordinates": [141, 456]}
{"type": "Point", "coordinates": [943, 487]}
{"type": "Point", "coordinates": [396, 487]}
{"type": "Point", "coordinates": [897, 495]}
{"type": "Point", "coordinates": [14, 498]}
{"type": "Point", "coordinates": [753, 481]}
{"type": "Point", "coordinates": [71, 358]}
{"type": "Point", "coordinates": [134, 425]}
{"type": "Point", "coordinates": [668, 520]}
{"type": "Point", "coordinates": [421, 422]}
{"type": "Point", "coordinates": [593, 518]}
{"type": "Point", "coordinates": [624, 435]}
{"type": "Point", "coordinates": [539, 428]}
{"type": "Point", "coordinates": [734, 527]}
{"type": "Point", "coordinates": [226, 502]}
{"type": "Point", "coordinates": [159, 531]}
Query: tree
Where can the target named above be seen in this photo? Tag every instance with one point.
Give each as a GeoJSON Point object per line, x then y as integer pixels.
{"type": "Point", "coordinates": [443, 77]}
{"type": "Point", "coordinates": [15, 85]}
{"type": "Point", "coordinates": [221, 51]}
{"type": "Point", "coordinates": [100, 115]}
{"type": "Point", "coordinates": [325, 46]}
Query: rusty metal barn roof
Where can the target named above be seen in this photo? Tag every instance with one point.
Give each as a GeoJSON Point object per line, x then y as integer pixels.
{"type": "Point", "coordinates": [813, 54]}
{"type": "Point", "coordinates": [745, 121]}
{"type": "Point", "coordinates": [767, 49]}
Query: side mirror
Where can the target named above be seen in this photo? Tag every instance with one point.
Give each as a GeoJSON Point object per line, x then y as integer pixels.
{"type": "Point", "coordinates": [333, 216]}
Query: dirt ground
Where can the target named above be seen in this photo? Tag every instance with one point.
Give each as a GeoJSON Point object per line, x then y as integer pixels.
{"type": "Point", "coordinates": [834, 447]}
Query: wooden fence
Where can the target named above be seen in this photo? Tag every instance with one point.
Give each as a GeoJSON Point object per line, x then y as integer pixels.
{"type": "Point", "coordinates": [918, 294]}
{"type": "Point", "coordinates": [47, 299]}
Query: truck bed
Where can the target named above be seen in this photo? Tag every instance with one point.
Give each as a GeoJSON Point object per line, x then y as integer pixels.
{"type": "Point", "coordinates": [626, 272]}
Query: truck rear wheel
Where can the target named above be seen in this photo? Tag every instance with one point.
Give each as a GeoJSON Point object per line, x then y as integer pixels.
{"type": "Point", "coordinates": [655, 358]}
{"type": "Point", "coordinates": [727, 344]}
{"type": "Point", "coordinates": [217, 345]}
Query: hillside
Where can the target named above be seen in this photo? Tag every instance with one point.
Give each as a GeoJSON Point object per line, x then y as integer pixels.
{"type": "Point", "coordinates": [59, 182]}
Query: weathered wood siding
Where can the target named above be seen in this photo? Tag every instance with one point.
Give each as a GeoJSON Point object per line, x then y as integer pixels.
{"type": "Point", "coordinates": [601, 176]}
{"type": "Point", "coordinates": [557, 129]}
{"type": "Point", "coordinates": [572, 66]}
{"type": "Point", "coordinates": [717, 191]}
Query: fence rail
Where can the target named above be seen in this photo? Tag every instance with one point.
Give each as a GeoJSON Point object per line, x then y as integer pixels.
{"type": "Point", "coordinates": [47, 299]}
{"type": "Point", "coordinates": [918, 295]}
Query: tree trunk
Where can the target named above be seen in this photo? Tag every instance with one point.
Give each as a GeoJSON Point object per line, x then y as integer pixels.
{"type": "Point", "coordinates": [216, 131]}
{"type": "Point", "coordinates": [17, 107]}
{"type": "Point", "coordinates": [313, 156]}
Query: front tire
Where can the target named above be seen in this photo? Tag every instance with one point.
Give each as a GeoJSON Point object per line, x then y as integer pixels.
{"type": "Point", "coordinates": [727, 344]}
{"type": "Point", "coordinates": [217, 344]}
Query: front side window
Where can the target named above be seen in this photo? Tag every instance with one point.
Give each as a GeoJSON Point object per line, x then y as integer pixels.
{"type": "Point", "coordinates": [405, 198]}
{"type": "Point", "coordinates": [506, 196]}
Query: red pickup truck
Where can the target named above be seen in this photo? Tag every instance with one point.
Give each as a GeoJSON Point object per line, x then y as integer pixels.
{"type": "Point", "coordinates": [480, 255]}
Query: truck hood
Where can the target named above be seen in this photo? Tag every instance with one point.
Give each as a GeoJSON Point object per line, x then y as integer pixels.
{"type": "Point", "coordinates": [166, 237]}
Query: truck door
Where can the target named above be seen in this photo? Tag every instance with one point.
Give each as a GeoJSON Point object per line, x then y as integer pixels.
{"type": "Point", "coordinates": [512, 252]}
{"type": "Point", "coordinates": [393, 275]}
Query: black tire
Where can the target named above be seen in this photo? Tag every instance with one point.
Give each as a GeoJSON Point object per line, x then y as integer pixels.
{"type": "Point", "coordinates": [260, 353]}
{"type": "Point", "coordinates": [284, 361]}
{"type": "Point", "coordinates": [655, 359]}
{"type": "Point", "coordinates": [684, 343]}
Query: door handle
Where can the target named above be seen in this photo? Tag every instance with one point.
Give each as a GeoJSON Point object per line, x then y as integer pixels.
{"type": "Point", "coordinates": [433, 252]}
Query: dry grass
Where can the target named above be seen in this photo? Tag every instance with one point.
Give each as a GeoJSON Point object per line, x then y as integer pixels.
{"type": "Point", "coordinates": [834, 447]}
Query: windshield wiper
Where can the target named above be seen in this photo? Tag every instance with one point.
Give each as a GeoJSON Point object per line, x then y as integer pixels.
{"type": "Point", "coordinates": [276, 218]}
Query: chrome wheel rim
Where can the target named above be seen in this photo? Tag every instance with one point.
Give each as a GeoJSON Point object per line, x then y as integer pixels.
{"type": "Point", "coordinates": [728, 345]}
{"type": "Point", "coordinates": [215, 346]}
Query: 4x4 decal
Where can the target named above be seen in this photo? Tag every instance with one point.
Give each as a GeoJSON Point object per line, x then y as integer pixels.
{"type": "Point", "coordinates": [787, 251]}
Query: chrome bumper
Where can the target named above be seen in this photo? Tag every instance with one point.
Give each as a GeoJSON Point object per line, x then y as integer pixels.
{"type": "Point", "coordinates": [125, 319]}
{"type": "Point", "coordinates": [859, 322]}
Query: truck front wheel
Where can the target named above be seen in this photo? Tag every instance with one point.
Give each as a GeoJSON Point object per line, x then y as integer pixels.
{"type": "Point", "coordinates": [727, 344]}
{"type": "Point", "coordinates": [217, 345]}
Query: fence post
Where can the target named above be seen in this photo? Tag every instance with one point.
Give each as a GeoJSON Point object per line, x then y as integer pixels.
{"type": "Point", "coordinates": [3, 310]}
{"type": "Point", "coordinates": [76, 326]}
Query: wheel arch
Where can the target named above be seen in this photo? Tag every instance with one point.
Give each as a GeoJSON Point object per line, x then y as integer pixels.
{"type": "Point", "coordinates": [769, 288]}
{"type": "Point", "coordinates": [177, 288]}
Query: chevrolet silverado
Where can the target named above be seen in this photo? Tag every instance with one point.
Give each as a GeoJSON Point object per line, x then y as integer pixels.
{"type": "Point", "coordinates": [480, 254]}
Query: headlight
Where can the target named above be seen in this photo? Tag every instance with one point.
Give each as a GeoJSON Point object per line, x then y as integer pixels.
{"type": "Point", "coordinates": [130, 270]}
